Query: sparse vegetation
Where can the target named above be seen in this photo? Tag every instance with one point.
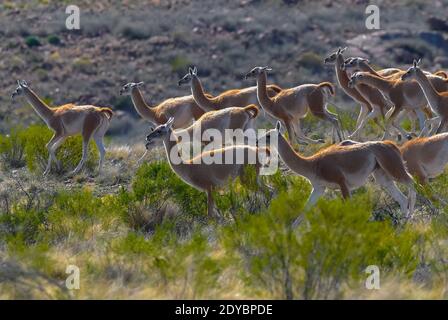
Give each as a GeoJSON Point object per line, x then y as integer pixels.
{"type": "Point", "coordinates": [32, 41]}
{"type": "Point", "coordinates": [54, 40]}
{"type": "Point", "coordinates": [174, 254]}
{"type": "Point", "coordinates": [28, 146]}
{"type": "Point", "coordinates": [140, 232]}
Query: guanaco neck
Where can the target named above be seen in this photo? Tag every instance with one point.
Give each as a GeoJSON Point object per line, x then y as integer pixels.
{"type": "Point", "coordinates": [172, 148]}
{"type": "Point", "coordinates": [292, 159]}
{"type": "Point", "coordinates": [42, 109]}
{"type": "Point", "coordinates": [366, 68]}
{"type": "Point", "coordinates": [429, 91]}
{"type": "Point", "coordinates": [378, 82]}
{"type": "Point", "coordinates": [262, 92]}
{"type": "Point", "coordinates": [342, 76]}
{"type": "Point", "coordinates": [142, 108]}
{"type": "Point", "coordinates": [199, 96]}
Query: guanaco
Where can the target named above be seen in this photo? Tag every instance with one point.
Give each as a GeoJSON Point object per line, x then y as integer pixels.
{"type": "Point", "coordinates": [197, 172]}
{"type": "Point", "coordinates": [68, 120]}
{"type": "Point", "coordinates": [291, 105]}
{"type": "Point", "coordinates": [184, 109]}
{"type": "Point", "coordinates": [347, 166]}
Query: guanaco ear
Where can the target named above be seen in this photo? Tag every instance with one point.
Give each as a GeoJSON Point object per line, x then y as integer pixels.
{"type": "Point", "coordinates": [418, 62]}
{"type": "Point", "coordinates": [195, 71]}
{"type": "Point", "coordinates": [190, 71]}
{"type": "Point", "coordinates": [139, 84]}
{"type": "Point", "coordinates": [339, 50]}
{"type": "Point", "coordinates": [345, 48]}
{"type": "Point", "coordinates": [414, 63]}
{"type": "Point", "coordinates": [278, 126]}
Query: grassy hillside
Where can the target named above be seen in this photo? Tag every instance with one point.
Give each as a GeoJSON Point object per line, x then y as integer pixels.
{"type": "Point", "coordinates": [137, 231]}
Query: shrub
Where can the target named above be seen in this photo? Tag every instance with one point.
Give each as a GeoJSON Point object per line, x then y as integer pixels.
{"type": "Point", "coordinates": [134, 33]}
{"type": "Point", "coordinates": [310, 60]}
{"type": "Point", "coordinates": [69, 153]}
{"type": "Point", "coordinates": [180, 64]}
{"type": "Point", "coordinates": [184, 268]}
{"type": "Point", "coordinates": [78, 214]}
{"type": "Point", "coordinates": [155, 183]}
{"type": "Point", "coordinates": [21, 226]}
{"type": "Point", "coordinates": [12, 148]}
{"type": "Point", "coordinates": [83, 65]}
{"type": "Point", "coordinates": [328, 251]}
{"type": "Point", "coordinates": [32, 41]}
{"type": "Point", "coordinates": [124, 103]}
{"type": "Point", "coordinates": [54, 40]}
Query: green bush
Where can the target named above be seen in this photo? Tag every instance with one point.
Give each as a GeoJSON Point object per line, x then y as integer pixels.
{"type": "Point", "coordinates": [311, 60]}
{"type": "Point", "coordinates": [327, 252]}
{"type": "Point", "coordinates": [21, 226]}
{"type": "Point", "coordinates": [32, 41]}
{"type": "Point", "coordinates": [12, 148]}
{"type": "Point", "coordinates": [184, 267]}
{"type": "Point", "coordinates": [134, 32]}
{"type": "Point", "coordinates": [180, 64]}
{"type": "Point", "coordinates": [29, 146]}
{"type": "Point", "coordinates": [54, 40]}
{"type": "Point", "coordinates": [155, 183]}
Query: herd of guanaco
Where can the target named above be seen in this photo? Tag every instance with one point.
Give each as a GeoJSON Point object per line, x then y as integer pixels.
{"type": "Point", "coordinates": [386, 95]}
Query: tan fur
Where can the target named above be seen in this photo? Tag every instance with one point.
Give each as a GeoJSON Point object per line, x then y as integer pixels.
{"type": "Point", "coordinates": [373, 104]}
{"type": "Point", "coordinates": [229, 98]}
{"type": "Point", "coordinates": [441, 73]}
{"type": "Point", "coordinates": [232, 118]}
{"type": "Point", "coordinates": [68, 120]}
{"type": "Point", "coordinates": [403, 94]}
{"type": "Point", "coordinates": [438, 101]}
{"type": "Point", "coordinates": [395, 75]}
{"type": "Point", "coordinates": [184, 110]}
{"type": "Point", "coordinates": [207, 177]}
{"type": "Point", "coordinates": [291, 105]}
{"type": "Point", "coordinates": [426, 157]}
{"type": "Point", "coordinates": [348, 166]}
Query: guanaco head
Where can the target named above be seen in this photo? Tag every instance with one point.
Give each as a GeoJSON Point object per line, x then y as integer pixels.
{"type": "Point", "coordinates": [354, 64]}
{"type": "Point", "coordinates": [159, 133]}
{"type": "Point", "coordinates": [127, 88]}
{"type": "Point", "coordinates": [187, 78]}
{"type": "Point", "coordinates": [355, 79]}
{"type": "Point", "coordinates": [413, 71]}
{"type": "Point", "coordinates": [333, 57]}
{"type": "Point", "coordinates": [256, 71]}
{"type": "Point", "coordinates": [21, 84]}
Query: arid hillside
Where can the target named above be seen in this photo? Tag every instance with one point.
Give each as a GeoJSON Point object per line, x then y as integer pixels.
{"type": "Point", "coordinates": [156, 41]}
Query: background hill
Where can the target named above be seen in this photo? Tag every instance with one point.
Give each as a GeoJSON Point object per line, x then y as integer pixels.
{"type": "Point", "coordinates": [156, 41]}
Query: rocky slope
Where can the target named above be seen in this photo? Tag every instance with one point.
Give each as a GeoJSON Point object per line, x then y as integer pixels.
{"type": "Point", "coordinates": [156, 41]}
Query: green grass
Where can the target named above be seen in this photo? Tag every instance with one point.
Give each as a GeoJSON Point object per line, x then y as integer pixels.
{"type": "Point", "coordinates": [151, 240]}
{"type": "Point", "coordinates": [28, 146]}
